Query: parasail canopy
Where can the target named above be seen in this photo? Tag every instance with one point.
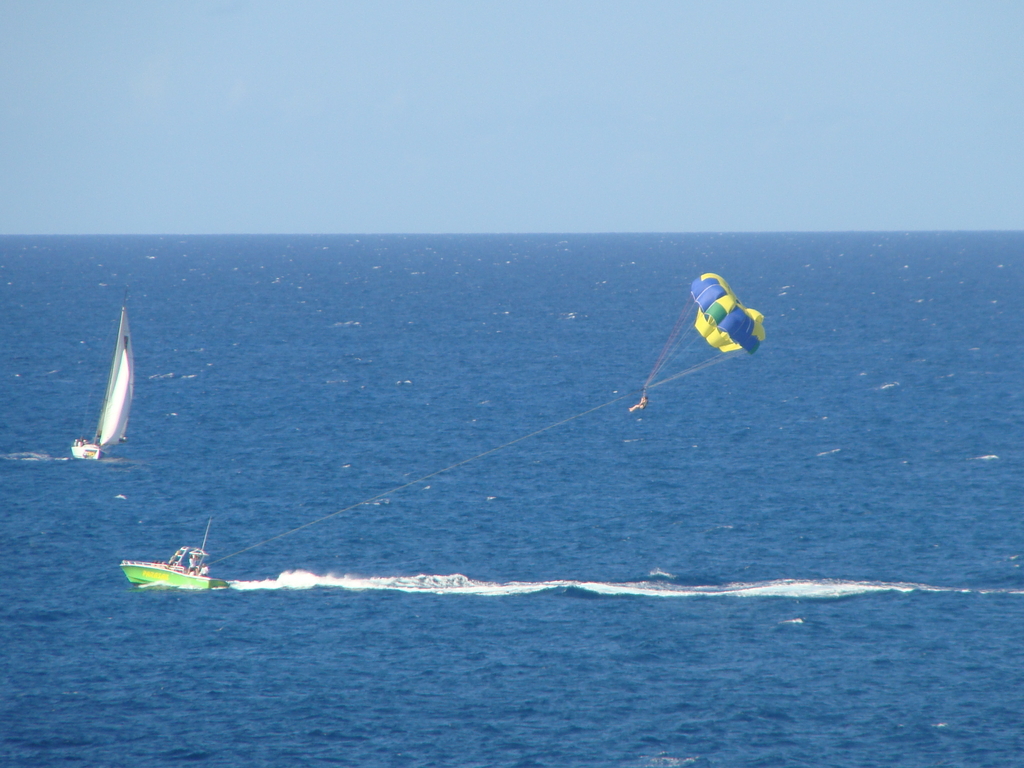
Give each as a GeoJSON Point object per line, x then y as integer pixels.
{"type": "Point", "coordinates": [722, 320]}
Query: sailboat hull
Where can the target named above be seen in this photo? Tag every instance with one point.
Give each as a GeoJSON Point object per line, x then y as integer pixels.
{"type": "Point", "coordinates": [160, 574]}
{"type": "Point", "coordinates": [86, 451]}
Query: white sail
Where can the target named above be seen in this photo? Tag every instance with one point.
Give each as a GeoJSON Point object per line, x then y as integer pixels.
{"type": "Point", "coordinates": [120, 386]}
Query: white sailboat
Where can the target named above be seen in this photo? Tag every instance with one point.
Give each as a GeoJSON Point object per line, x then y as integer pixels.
{"type": "Point", "coordinates": [117, 401]}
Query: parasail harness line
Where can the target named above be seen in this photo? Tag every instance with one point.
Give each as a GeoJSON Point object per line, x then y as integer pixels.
{"type": "Point", "coordinates": [719, 358]}
{"type": "Point", "coordinates": [672, 346]}
{"type": "Point", "coordinates": [671, 349]}
{"type": "Point", "coordinates": [440, 471]}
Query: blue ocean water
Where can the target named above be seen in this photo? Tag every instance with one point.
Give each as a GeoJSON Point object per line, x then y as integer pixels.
{"type": "Point", "coordinates": [808, 556]}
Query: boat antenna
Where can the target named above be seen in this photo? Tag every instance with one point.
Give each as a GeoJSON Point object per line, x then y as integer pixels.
{"type": "Point", "coordinates": [205, 535]}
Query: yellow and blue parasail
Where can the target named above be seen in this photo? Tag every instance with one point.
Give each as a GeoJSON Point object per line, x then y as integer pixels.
{"type": "Point", "coordinates": [721, 319]}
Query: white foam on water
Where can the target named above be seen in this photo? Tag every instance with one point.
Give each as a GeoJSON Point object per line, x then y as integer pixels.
{"type": "Point", "coordinates": [664, 761]}
{"type": "Point", "coordinates": [451, 584]}
{"type": "Point", "coordinates": [457, 584]}
{"type": "Point", "coordinates": [32, 456]}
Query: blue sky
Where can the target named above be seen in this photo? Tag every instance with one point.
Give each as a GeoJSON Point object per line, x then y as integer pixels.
{"type": "Point", "coordinates": [232, 117]}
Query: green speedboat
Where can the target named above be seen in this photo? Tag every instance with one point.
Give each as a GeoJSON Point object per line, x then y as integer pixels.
{"type": "Point", "coordinates": [185, 570]}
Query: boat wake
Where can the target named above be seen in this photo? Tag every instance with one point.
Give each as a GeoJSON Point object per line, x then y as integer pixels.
{"type": "Point", "coordinates": [457, 584]}
{"type": "Point", "coordinates": [31, 456]}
